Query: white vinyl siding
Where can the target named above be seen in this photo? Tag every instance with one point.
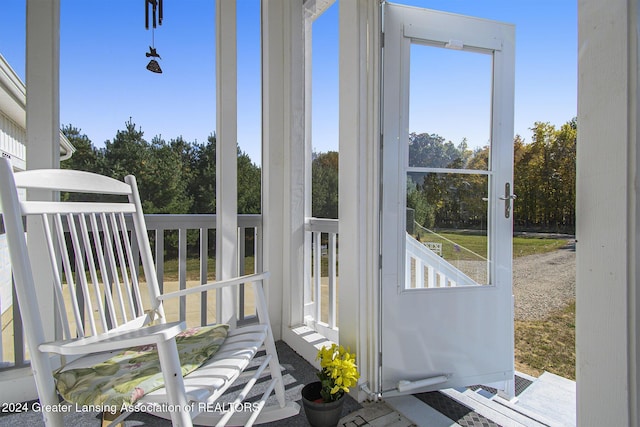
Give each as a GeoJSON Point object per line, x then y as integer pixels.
{"type": "Point", "coordinates": [12, 139]}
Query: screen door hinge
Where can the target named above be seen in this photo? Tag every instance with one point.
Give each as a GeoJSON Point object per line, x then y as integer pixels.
{"type": "Point", "coordinates": [382, 40]}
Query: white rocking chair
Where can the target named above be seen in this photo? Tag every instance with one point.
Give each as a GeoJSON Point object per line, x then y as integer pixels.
{"type": "Point", "coordinates": [101, 309]}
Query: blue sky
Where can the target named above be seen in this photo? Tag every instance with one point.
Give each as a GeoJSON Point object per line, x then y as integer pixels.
{"type": "Point", "coordinates": [103, 80]}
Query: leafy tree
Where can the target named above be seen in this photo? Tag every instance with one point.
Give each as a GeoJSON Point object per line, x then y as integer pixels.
{"type": "Point", "coordinates": [431, 150]}
{"type": "Point", "coordinates": [249, 185]}
{"type": "Point", "coordinates": [168, 181]}
{"type": "Point", "coordinates": [86, 157]}
{"type": "Point", "coordinates": [156, 166]}
{"type": "Point", "coordinates": [416, 200]}
{"type": "Point", "coordinates": [202, 186]}
{"type": "Point", "coordinates": [545, 178]}
{"type": "Point", "coordinates": [324, 185]}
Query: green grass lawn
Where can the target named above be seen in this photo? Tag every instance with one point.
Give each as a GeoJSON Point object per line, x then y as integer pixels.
{"type": "Point", "coordinates": [193, 268]}
{"type": "Point", "coordinates": [468, 244]}
{"type": "Point", "coordinates": [547, 345]}
{"type": "Point", "coordinates": [535, 245]}
{"type": "Point", "coordinates": [522, 246]}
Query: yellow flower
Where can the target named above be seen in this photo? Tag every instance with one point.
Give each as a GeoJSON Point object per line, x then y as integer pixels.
{"type": "Point", "coordinates": [339, 371]}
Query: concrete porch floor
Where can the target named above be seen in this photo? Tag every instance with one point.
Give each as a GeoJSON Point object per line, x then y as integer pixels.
{"type": "Point", "coordinates": [463, 407]}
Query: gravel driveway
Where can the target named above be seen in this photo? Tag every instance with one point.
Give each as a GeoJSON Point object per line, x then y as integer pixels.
{"type": "Point", "coordinates": [544, 283]}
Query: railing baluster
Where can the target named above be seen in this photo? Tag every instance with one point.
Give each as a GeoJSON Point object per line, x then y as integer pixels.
{"type": "Point", "coordinates": [257, 249]}
{"type": "Point", "coordinates": [307, 285]}
{"type": "Point", "coordinates": [160, 258]}
{"type": "Point", "coordinates": [135, 252]}
{"type": "Point", "coordinates": [317, 271]}
{"type": "Point", "coordinates": [419, 274]}
{"type": "Point", "coordinates": [182, 270]}
{"type": "Point", "coordinates": [431, 279]}
{"type": "Point", "coordinates": [407, 270]}
{"type": "Point", "coordinates": [241, 267]}
{"type": "Point", "coordinates": [257, 256]}
{"type": "Point", "coordinates": [204, 262]}
{"type": "Point", "coordinates": [332, 280]}
{"type": "Point", "coordinates": [18, 331]}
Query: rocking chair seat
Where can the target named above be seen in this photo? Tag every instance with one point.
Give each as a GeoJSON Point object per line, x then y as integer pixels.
{"type": "Point", "coordinates": [210, 380]}
{"type": "Point", "coordinates": [126, 376]}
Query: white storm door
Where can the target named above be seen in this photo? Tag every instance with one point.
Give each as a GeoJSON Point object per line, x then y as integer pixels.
{"type": "Point", "coordinates": [446, 298]}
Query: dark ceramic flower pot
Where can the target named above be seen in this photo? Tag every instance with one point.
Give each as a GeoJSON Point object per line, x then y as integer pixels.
{"type": "Point", "coordinates": [320, 414]}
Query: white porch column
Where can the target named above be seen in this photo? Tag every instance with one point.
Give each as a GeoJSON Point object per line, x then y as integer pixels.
{"type": "Point", "coordinates": [358, 294]}
{"type": "Point", "coordinates": [226, 157]}
{"type": "Point", "coordinates": [608, 179]}
{"type": "Point", "coordinates": [43, 119]}
{"type": "Point", "coordinates": [43, 86]}
{"type": "Point", "coordinates": [43, 151]}
{"type": "Point", "coordinates": [283, 161]}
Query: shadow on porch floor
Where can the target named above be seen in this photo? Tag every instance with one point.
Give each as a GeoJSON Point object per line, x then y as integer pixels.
{"type": "Point", "coordinates": [297, 372]}
{"type": "Point", "coordinates": [435, 409]}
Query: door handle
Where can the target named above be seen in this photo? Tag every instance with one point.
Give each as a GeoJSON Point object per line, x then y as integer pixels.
{"type": "Point", "coordinates": [508, 197]}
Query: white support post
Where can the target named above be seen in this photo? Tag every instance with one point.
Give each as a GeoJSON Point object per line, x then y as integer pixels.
{"type": "Point", "coordinates": [43, 116]}
{"type": "Point", "coordinates": [358, 295]}
{"type": "Point", "coordinates": [308, 148]}
{"type": "Point", "coordinates": [43, 147]}
{"type": "Point", "coordinates": [226, 157]}
{"type": "Point", "coordinates": [283, 176]}
{"type": "Point", "coordinates": [608, 206]}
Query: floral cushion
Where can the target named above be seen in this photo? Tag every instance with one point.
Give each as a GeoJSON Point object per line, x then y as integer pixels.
{"type": "Point", "coordinates": [130, 374]}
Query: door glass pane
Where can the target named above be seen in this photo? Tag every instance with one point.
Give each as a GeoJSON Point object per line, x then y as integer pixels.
{"type": "Point", "coordinates": [449, 108]}
{"type": "Point", "coordinates": [447, 241]}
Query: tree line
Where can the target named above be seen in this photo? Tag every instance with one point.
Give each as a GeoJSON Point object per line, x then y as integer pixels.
{"type": "Point", "coordinates": [544, 181]}
{"type": "Point", "coordinates": [545, 178]}
{"type": "Point", "coordinates": [179, 177]}
{"type": "Point", "coordinates": [174, 177]}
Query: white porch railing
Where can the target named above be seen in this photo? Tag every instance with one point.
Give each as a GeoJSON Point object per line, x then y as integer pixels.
{"type": "Point", "coordinates": [439, 273]}
{"type": "Point", "coordinates": [321, 285]}
{"type": "Point", "coordinates": [321, 282]}
{"type": "Point", "coordinates": [250, 247]}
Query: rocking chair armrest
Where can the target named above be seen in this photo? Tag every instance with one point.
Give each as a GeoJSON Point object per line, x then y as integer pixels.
{"type": "Point", "coordinates": [115, 340]}
{"type": "Point", "coordinates": [216, 285]}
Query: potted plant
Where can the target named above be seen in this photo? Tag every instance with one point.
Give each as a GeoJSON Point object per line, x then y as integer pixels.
{"type": "Point", "coordinates": [322, 400]}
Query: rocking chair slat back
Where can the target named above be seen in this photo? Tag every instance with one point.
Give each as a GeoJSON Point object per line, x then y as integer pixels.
{"type": "Point", "coordinates": [89, 245]}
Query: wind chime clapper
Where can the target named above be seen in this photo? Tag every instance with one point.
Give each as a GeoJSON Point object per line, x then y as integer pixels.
{"type": "Point", "coordinates": [156, 10]}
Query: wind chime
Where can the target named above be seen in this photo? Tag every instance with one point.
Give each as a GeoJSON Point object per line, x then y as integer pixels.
{"type": "Point", "coordinates": [156, 15]}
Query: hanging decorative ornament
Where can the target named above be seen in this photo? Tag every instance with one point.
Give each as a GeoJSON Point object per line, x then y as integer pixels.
{"type": "Point", "coordinates": [156, 16]}
{"type": "Point", "coordinates": [153, 64]}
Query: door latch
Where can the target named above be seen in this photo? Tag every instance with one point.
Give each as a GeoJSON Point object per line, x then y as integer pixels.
{"type": "Point", "coordinates": [508, 197]}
